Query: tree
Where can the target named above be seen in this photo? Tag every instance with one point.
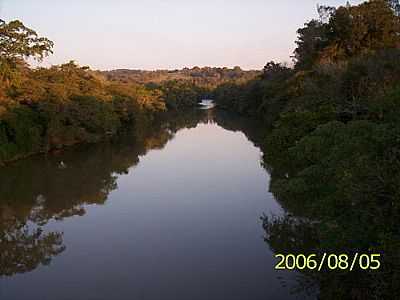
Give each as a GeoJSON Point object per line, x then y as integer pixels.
{"type": "Point", "coordinates": [311, 40]}
{"type": "Point", "coordinates": [19, 42]}
{"type": "Point", "coordinates": [273, 70]}
{"type": "Point", "coordinates": [362, 29]}
{"type": "Point", "coordinates": [325, 12]}
{"type": "Point", "coordinates": [348, 31]}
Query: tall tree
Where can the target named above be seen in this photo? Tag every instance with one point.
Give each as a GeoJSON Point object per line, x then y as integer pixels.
{"type": "Point", "coordinates": [20, 42]}
{"type": "Point", "coordinates": [348, 31]}
{"type": "Point", "coordinates": [311, 40]}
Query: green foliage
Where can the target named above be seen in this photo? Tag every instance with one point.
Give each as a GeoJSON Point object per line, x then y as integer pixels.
{"type": "Point", "coordinates": [311, 40]}
{"type": "Point", "coordinates": [180, 94]}
{"type": "Point", "coordinates": [344, 181]}
{"type": "Point", "coordinates": [20, 133]}
{"type": "Point", "coordinates": [347, 32]}
{"type": "Point", "coordinates": [232, 96]}
{"type": "Point", "coordinates": [263, 96]}
{"type": "Point", "coordinates": [19, 42]}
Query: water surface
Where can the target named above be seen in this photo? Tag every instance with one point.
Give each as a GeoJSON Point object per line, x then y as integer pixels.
{"type": "Point", "coordinates": [173, 213]}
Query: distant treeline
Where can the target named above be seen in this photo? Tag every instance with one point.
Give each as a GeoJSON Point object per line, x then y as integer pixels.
{"type": "Point", "coordinates": [205, 77]}
{"type": "Point", "coordinates": [332, 144]}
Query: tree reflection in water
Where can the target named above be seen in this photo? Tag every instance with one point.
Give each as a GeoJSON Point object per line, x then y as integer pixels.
{"type": "Point", "coordinates": [364, 230]}
{"type": "Point", "coordinates": [23, 249]}
{"type": "Point", "coordinates": [40, 189]}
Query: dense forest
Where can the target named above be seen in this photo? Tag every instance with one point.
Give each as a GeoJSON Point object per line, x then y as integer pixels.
{"type": "Point", "coordinates": [332, 143]}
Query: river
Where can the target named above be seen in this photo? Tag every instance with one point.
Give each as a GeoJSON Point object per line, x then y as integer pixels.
{"type": "Point", "coordinates": [172, 213]}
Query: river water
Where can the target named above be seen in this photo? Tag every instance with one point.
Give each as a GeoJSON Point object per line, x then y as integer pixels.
{"type": "Point", "coordinates": [170, 213]}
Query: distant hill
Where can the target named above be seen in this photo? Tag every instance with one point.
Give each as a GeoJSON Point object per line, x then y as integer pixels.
{"type": "Point", "coordinates": [205, 77]}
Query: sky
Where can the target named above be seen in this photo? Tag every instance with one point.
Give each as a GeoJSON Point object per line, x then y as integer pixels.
{"type": "Point", "coordinates": [166, 34]}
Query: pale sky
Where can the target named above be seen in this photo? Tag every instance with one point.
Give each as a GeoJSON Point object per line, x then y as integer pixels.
{"type": "Point", "coordinates": [166, 34]}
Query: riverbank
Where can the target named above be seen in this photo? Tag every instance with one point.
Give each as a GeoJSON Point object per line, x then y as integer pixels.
{"type": "Point", "coordinates": [332, 144]}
